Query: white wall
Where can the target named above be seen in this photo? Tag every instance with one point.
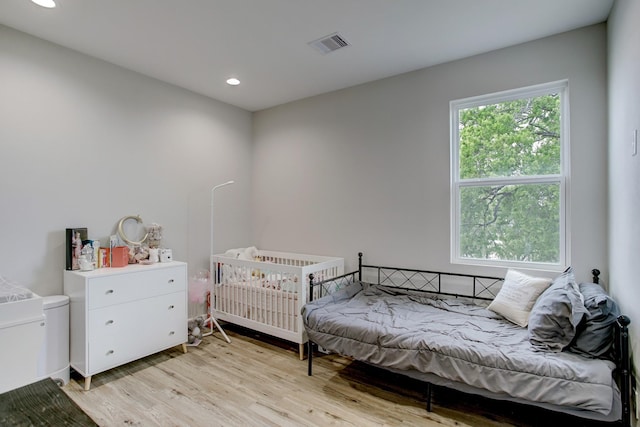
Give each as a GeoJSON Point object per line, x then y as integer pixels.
{"type": "Point", "coordinates": [84, 143]}
{"type": "Point", "coordinates": [367, 168]}
{"type": "Point", "coordinates": [624, 169]}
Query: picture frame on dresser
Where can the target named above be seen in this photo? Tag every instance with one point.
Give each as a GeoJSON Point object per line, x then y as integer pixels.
{"type": "Point", "coordinates": [73, 247]}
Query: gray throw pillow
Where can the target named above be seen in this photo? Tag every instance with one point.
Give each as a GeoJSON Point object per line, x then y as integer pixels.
{"type": "Point", "coordinates": [595, 334]}
{"type": "Point", "coordinates": [556, 314]}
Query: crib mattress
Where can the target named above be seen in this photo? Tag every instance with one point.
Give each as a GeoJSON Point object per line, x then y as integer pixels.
{"type": "Point", "coordinates": [457, 340]}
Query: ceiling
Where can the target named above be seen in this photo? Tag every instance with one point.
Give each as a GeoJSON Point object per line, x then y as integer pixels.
{"type": "Point", "coordinates": [198, 44]}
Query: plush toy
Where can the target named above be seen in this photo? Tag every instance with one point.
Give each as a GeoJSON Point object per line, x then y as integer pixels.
{"type": "Point", "coordinates": [247, 254]}
{"type": "Point", "coordinates": [138, 253]}
{"type": "Point", "coordinates": [250, 254]}
{"type": "Point", "coordinates": [234, 253]}
{"type": "Point", "coordinates": [194, 327]}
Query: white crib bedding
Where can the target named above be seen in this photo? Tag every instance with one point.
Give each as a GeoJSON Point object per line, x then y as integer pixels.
{"type": "Point", "coordinates": [285, 285]}
{"type": "Point", "coordinates": [458, 341]}
{"type": "Point", "coordinates": [265, 279]}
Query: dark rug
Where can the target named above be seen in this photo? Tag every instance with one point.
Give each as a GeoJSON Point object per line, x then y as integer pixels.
{"type": "Point", "coordinates": [41, 404]}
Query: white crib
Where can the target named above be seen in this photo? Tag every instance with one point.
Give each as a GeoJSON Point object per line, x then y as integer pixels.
{"type": "Point", "coordinates": [266, 294]}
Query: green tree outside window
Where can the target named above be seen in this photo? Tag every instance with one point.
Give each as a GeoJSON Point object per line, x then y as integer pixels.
{"type": "Point", "coordinates": [509, 182]}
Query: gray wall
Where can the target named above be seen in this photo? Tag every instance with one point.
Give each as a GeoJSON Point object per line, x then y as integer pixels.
{"type": "Point", "coordinates": [84, 143]}
{"type": "Point", "coordinates": [367, 168]}
{"type": "Point", "coordinates": [624, 169]}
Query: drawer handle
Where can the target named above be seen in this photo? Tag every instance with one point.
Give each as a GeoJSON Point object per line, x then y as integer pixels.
{"type": "Point", "coordinates": [109, 322]}
{"type": "Point", "coordinates": [110, 352]}
{"type": "Point", "coordinates": [171, 280]}
{"type": "Point", "coordinates": [172, 333]}
{"type": "Point", "coordinates": [110, 291]}
{"type": "Point", "coordinates": [171, 307]}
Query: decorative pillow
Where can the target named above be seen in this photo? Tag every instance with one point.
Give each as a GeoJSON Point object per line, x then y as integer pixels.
{"type": "Point", "coordinates": [594, 337]}
{"type": "Point", "coordinates": [517, 296]}
{"type": "Point", "coordinates": [556, 315]}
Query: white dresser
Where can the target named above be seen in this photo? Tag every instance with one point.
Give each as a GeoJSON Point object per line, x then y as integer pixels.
{"type": "Point", "coordinates": [118, 315]}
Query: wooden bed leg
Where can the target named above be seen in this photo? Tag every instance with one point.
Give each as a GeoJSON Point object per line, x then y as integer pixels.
{"type": "Point", "coordinates": [428, 397]}
{"type": "Point", "coordinates": [87, 383]}
{"type": "Point", "coordinates": [301, 349]}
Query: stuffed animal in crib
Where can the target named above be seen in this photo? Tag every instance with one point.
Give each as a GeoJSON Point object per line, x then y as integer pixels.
{"type": "Point", "coordinates": [194, 327]}
{"type": "Point", "coordinates": [247, 254]}
{"type": "Point", "coordinates": [234, 253]}
{"type": "Point", "coordinates": [238, 273]}
{"type": "Point", "coordinates": [250, 254]}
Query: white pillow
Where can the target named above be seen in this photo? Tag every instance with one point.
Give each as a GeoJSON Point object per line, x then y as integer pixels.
{"type": "Point", "coordinates": [517, 296]}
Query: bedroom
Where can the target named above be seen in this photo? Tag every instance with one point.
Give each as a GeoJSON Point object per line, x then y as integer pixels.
{"type": "Point", "coordinates": [100, 150]}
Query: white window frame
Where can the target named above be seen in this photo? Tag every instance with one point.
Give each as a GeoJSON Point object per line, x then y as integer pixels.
{"type": "Point", "coordinates": [563, 179]}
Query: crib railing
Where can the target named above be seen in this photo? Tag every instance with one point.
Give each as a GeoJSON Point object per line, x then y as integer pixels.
{"type": "Point", "coordinates": [257, 303]}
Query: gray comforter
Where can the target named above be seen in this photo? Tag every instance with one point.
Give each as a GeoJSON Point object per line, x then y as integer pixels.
{"type": "Point", "coordinates": [457, 340]}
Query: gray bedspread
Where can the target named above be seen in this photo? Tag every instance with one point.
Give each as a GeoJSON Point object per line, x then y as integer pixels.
{"type": "Point", "coordinates": [457, 340]}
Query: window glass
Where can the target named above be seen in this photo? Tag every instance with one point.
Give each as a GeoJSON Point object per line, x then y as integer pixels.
{"type": "Point", "coordinates": [509, 177]}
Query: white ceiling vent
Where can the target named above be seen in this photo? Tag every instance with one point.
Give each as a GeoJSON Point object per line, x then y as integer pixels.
{"type": "Point", "coordinates": [329, 43]}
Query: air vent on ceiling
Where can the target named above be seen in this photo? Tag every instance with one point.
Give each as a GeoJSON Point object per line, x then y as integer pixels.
{"type": "Point", "coordinates": [329, 43]}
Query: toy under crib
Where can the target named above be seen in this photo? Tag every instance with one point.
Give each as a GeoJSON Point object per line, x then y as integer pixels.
{"type": "Point", "coordinates": [265, 290]}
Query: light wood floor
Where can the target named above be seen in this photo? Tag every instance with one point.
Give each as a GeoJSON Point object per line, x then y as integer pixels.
{"type": "Point", "coordinates": [260, 381]}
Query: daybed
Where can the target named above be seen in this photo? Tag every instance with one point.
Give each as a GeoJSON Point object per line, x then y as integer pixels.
{"type": "Point", "coordinates": [441, 328]}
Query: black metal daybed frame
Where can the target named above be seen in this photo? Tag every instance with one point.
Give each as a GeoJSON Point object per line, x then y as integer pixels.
{"type": "Point", "coordinates": [482, 288]}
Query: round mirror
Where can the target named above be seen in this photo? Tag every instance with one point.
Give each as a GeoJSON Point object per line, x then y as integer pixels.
{"type": "Point", "coordinates": [128, 228]}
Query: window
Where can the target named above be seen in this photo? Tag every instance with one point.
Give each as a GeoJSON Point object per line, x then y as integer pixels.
{"type": "Point", "coordinates": [510, 178]}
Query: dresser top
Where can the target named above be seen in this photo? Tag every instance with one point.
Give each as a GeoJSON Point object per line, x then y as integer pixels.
{"type": "Point", "coordinates": [130, 268]}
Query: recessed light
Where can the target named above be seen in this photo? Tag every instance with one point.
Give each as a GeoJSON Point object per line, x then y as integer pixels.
{"type": "Point", "coordinates": [233, 81]}
{"type": "Point", "coordinates": [49, 4]}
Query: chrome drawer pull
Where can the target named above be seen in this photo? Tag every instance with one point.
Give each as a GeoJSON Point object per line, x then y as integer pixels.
{"type": "Point", "coordinates": [110, 291]}
{"type": "Point", "coordinates": [171, 307]}
{"type": "Point", "coordinates": [109, 322]}
{"type": "Point", "coordinates": [109, 353]}
{"type": "Point", "coordinates": [171, 280]}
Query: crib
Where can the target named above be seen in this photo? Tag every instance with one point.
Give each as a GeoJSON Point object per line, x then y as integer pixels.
{"type": "Point", "coordinates": [266, 293]}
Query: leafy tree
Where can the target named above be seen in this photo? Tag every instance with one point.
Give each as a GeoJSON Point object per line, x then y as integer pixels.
{"type": "Point", "coordinates": [515, 220]}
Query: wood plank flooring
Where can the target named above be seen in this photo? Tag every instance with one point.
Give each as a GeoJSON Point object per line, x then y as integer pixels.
{"type": "Point", "coordinates": [260, 381]}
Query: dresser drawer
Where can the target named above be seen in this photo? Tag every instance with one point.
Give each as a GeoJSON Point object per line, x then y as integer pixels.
{"type": "Point", "coordinates": [116, 333]}
{"type": "Point", "coordinates": [119, 289]}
